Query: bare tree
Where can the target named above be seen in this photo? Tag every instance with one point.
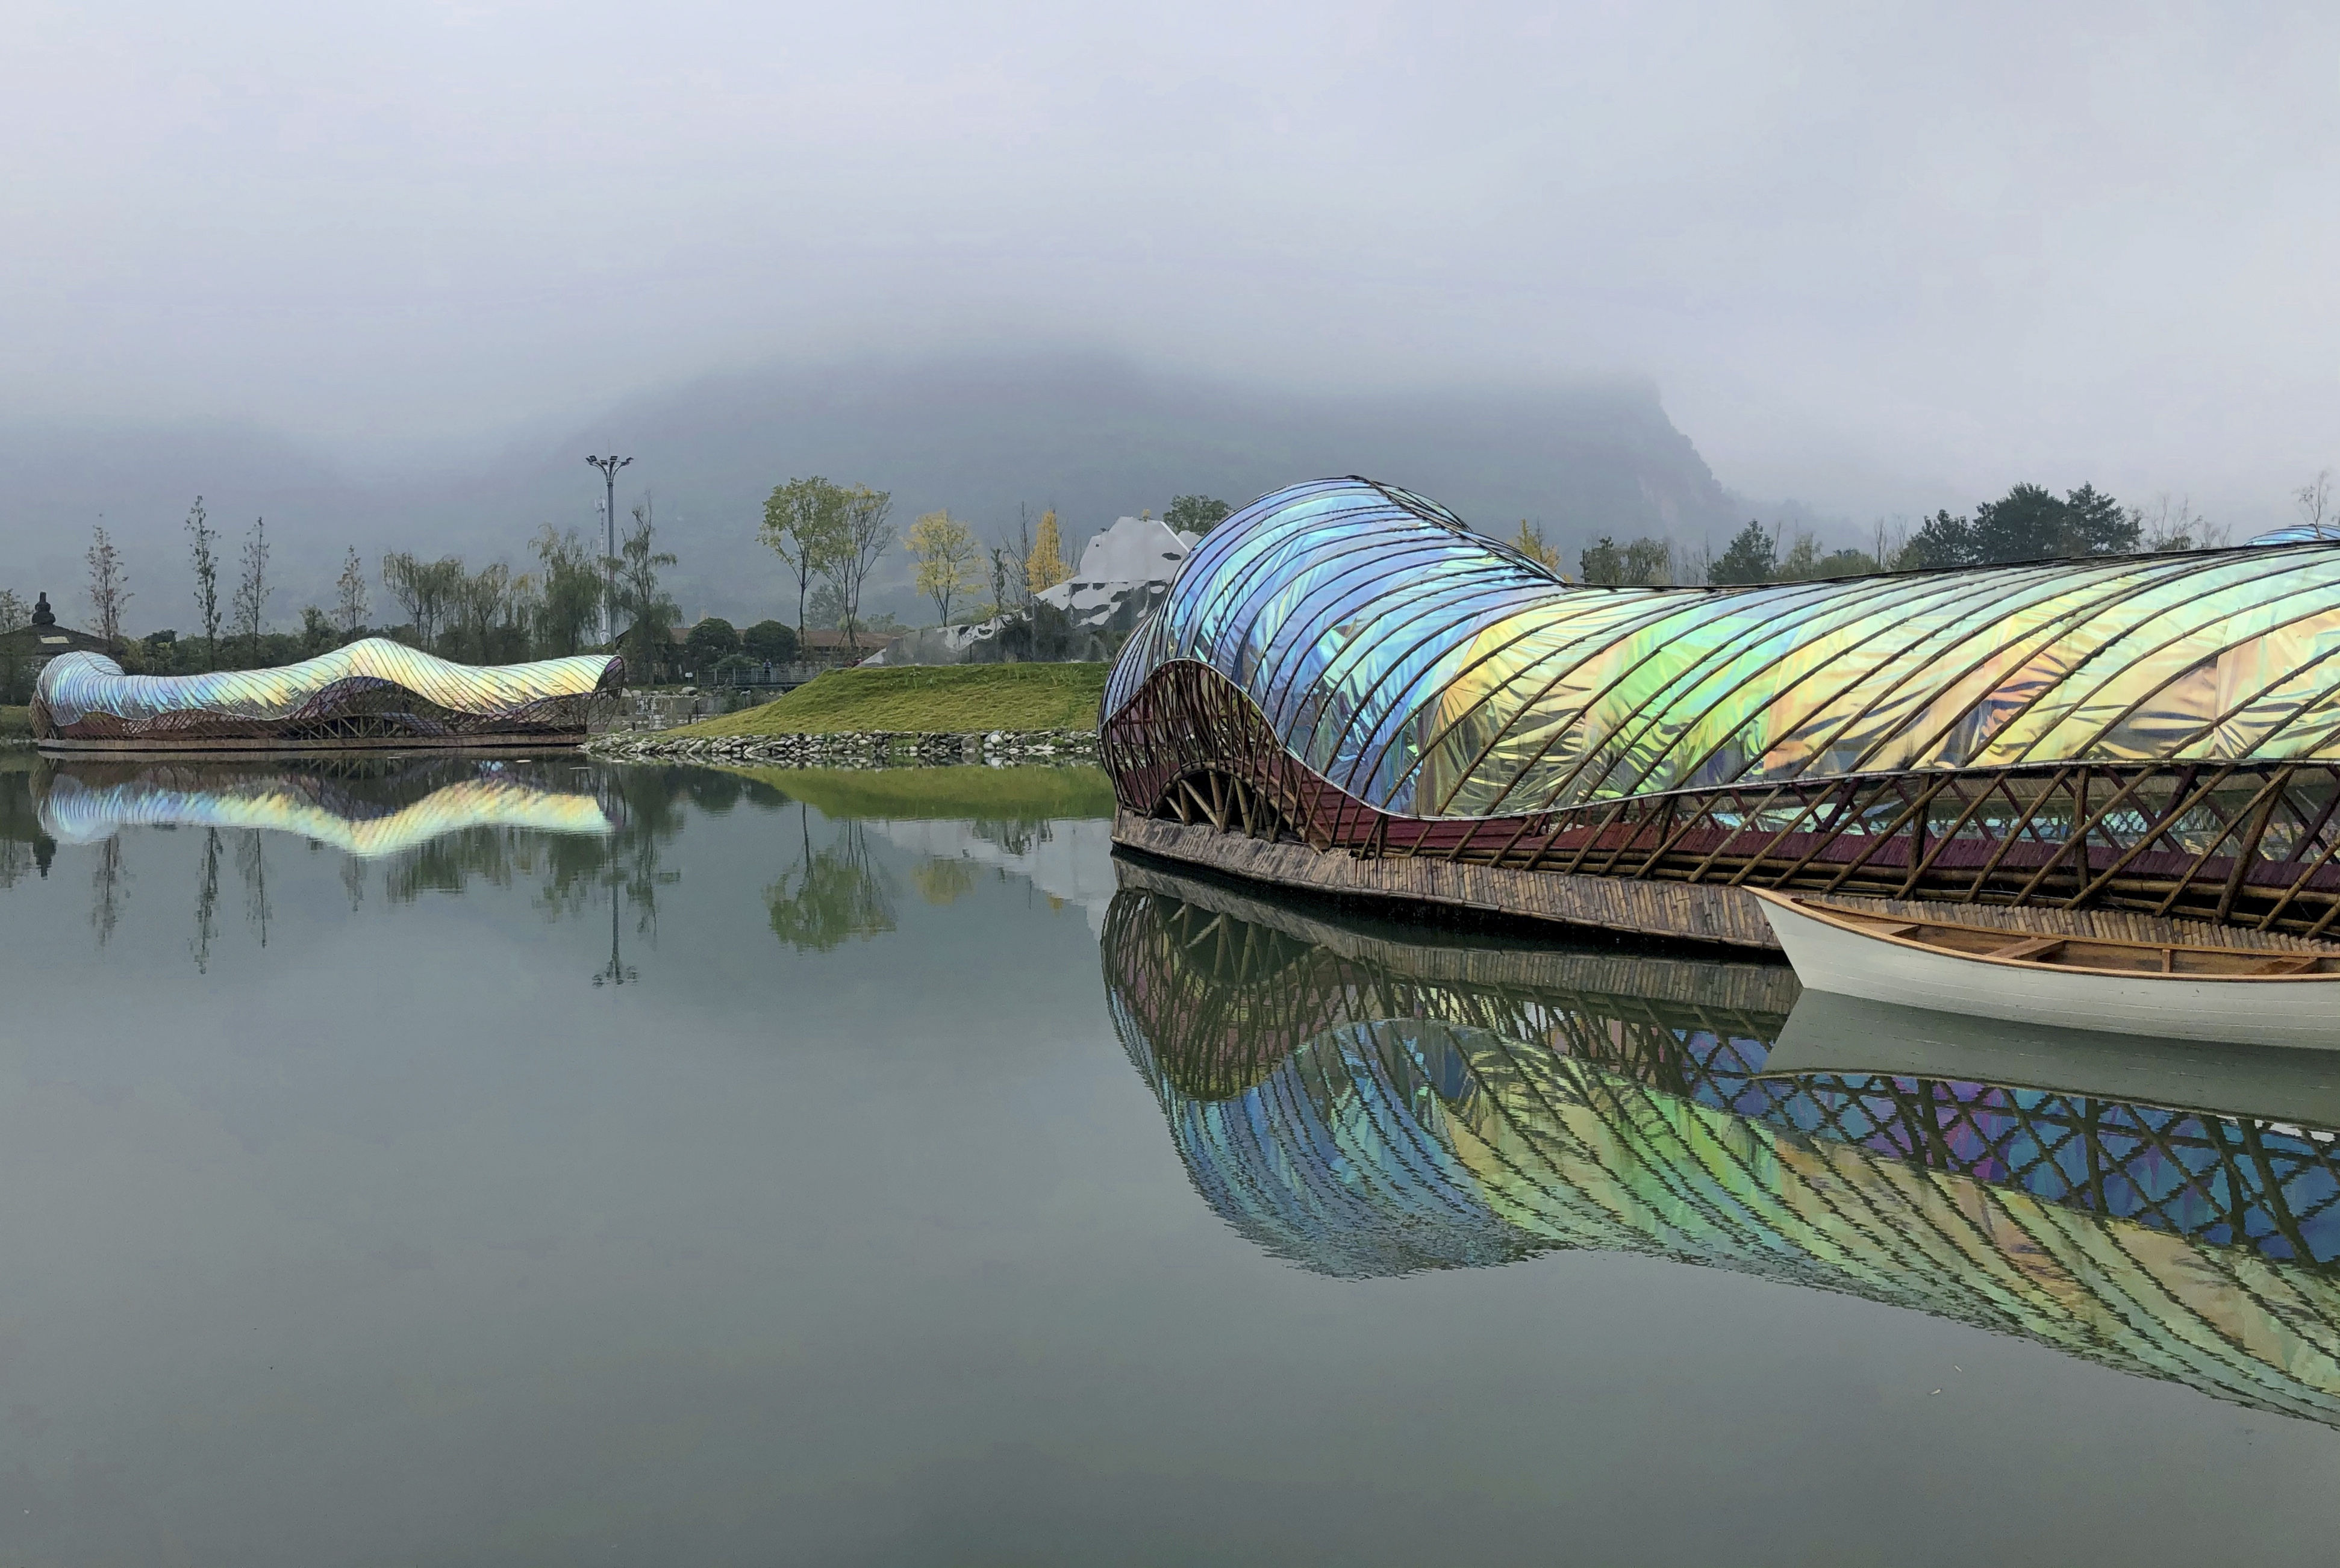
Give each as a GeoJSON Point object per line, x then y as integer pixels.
{"type": "Point", "coordinates": [484, 604]}
{"type": "Point", "coordinates": [108, 889]}
{"type": "Point", "coordinates": [109, 587]}
{"type": "Point", "coordinates": [207, 605]}
{"type": "Point", "coordinates": [350, 609]}
{"type": "Point", "coordinates": [206, 902]}
{"type": "Point", "coordinates": [2174, 525]}
{"type": "Point", "coordinates": [2314, 501]}
{"type": "Point", "coordinates": [251, 591]}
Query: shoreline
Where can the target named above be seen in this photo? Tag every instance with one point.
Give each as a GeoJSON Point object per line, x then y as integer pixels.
{"type": "Point", "coordinates": [859, 748]}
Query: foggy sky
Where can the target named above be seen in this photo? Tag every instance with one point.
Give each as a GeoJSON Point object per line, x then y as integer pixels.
{"type": "Point", "coordinates": [1876, 258]}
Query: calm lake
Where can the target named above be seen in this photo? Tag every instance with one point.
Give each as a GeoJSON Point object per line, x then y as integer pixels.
{"type": "Point", "coordinates": [445, 1161]}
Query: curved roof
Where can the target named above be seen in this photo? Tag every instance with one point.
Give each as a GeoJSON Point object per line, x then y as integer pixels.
{"type": "Point", "coordinates": [77, 685]}
{"type": "Point", "coordinates": [1433, 671]}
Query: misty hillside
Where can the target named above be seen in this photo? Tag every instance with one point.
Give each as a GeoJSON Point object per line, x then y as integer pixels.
{"type": "Point", "coordinates": [1092, 436]}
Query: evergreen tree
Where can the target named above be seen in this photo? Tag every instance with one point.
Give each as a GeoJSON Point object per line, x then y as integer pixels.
{"type": "Point", "coordinates": [1943, 542]}
{"type": "Point", "coordinates": [1197, 514]}
{"type": "Point", "coordinates": [1751, 558]}
{"type": "Point", "coordinates": [771, 640]}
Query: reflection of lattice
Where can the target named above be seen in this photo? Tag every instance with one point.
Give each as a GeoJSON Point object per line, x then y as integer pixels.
{"type": "Point", "coordinates": [1221, 1004]}
{"type": "Point", "coordinates": [2257, 845]}
{"type": "Point", "coordinates": [1404, 1145]}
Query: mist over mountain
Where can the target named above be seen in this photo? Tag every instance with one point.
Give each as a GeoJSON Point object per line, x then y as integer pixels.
{"type": "Point", "coordinates": [1095, 435]}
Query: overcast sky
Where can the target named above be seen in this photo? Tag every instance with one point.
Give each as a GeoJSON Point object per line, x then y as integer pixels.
{"type": "Point", "coordinates": [1870, 256]}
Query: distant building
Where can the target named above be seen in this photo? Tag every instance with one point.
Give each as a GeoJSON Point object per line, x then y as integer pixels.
{"type": "Point", "coordinates": [23, 651]}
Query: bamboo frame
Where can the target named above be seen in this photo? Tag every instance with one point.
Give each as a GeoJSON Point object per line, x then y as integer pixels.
{"type": "Point", "coordinates": [2178, 841]}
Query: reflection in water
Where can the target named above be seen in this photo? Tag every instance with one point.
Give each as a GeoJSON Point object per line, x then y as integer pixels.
{"type": "Point", "coordinates": [831, 894]}
{"type": "Point", "coordinates": [370, 817]}
{"type": "Point", "coordinates": [1366, 1103]}
{"type": "Point", "coordinates": [422, 825]}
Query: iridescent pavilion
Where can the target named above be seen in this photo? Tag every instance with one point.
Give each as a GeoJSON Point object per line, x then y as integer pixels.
{"type": "Point", "coordinates": [370, 694]}
{"type": "Point", "coordinates": [1348, 689]}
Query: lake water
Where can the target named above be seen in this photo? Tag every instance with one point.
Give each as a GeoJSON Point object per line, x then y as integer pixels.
{"type": "Point", "coordinates": [456, 1162]}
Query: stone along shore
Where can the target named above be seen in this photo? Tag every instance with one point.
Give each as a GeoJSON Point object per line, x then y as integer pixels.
{"type": "Point", "coordinates": [859, 748]}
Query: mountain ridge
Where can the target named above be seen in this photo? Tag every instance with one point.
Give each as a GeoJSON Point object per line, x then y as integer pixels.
{"type": "Point", "coordinates": [1097, 436]}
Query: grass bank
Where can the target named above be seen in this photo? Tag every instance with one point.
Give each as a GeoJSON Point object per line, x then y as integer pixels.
{"type": "Point", "coordinates": [953, 698]}
{"type": "Point", "coordinates": [15, 722]}
{"type": "Point", "coordinates": [945, 794]}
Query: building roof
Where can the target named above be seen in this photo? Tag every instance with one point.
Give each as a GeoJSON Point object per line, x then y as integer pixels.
{"type": "Point", "coordinates": [49, 641]}
{"type": "Point", "coordinates": [1431, 671]}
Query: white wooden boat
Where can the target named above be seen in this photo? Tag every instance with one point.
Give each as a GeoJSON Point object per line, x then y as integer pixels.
{"type": "Point", "coordinates": [2173, 989]}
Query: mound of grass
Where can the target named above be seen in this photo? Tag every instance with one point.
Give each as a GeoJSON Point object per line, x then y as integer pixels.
{"type": "Point", "coordinates": [945, 793]}
{"type": "Point", "coordinates": [16, 722]}
{"type": "Point", "coordinates": [954, 698]}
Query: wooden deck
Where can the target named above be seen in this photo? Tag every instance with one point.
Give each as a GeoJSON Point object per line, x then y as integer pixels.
{"type": "Point", "coordinates": [1692, 912]}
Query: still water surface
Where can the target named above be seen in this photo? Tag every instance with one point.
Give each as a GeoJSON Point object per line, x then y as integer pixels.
{"type": "Point", "coordinates": [449, 1162]}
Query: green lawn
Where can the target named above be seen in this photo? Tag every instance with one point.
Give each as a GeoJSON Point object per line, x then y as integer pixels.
{"type": "Point", "coordinates": [15, 721]}
{"type": "Point", "coordinates": [954, 698]}
{"type": "Point", "coordinates": [945, 793]}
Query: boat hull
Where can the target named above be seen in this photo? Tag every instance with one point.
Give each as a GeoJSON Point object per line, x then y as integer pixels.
{"type": "Point", "coordinates": [2298, 1013]}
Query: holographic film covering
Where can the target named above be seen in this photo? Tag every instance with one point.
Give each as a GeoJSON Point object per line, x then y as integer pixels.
{"type": "Point", "coordinates": [1430, 672]}
{"type": "Point", "coordinates": [1344, 665]}
{"type": "Point", "coordinates": [373, 691]}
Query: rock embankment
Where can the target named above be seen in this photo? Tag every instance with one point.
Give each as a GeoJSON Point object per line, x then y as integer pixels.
{"type": "Point", "coordinates": [855, 749]}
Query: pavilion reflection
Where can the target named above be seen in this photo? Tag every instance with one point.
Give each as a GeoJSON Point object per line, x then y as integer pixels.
{"type": "Point", "coordinates": [367, 812]}
{"type": "Point", "coordinates": [1367, 1100]}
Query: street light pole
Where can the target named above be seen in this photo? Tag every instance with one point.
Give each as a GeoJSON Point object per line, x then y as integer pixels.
{"type": "Point", "coordinates": [610, 467]}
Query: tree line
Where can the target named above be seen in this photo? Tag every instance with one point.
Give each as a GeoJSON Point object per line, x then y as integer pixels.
{"type": "Point", "coordinates": [2028, 523]}
{"type": "Point", "coordinates": [483, 615]}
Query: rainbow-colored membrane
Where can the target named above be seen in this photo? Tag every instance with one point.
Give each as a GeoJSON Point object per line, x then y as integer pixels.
{"type": "Point", "coordinates": [1433, 671]}
{"type": "Point", "coordinates": [1419, 1142]}
{"type": "Point", "coordinates": [72, 812]}
{"type": "Point", "coordinates": [374, 687]}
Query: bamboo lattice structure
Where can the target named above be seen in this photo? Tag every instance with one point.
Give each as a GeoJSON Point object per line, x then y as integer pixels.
{"type": "Point", "coordinates": [1350, 669]}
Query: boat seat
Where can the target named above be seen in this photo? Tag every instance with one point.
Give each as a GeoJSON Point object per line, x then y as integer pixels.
{"type": "Point", "coordinates": [2293, 964]}
{"type": "Point", "coordinates": [2029, 947]}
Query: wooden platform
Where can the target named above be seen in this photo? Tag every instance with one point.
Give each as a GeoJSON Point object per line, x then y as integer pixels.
{"type": "Point", "coordinates": [1693, 912]}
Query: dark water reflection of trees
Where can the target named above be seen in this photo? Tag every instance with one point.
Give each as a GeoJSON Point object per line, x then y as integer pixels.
{"type": "Point", "coordinates": [578, 835]}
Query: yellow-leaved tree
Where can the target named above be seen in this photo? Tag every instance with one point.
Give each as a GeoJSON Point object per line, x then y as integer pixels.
{"type": "Point", "coordinates": [1529, 543]}
{"type": "Point", "coordinates": [1046, 567]}
{"type": "Point", "coordinates": [945, 550]}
